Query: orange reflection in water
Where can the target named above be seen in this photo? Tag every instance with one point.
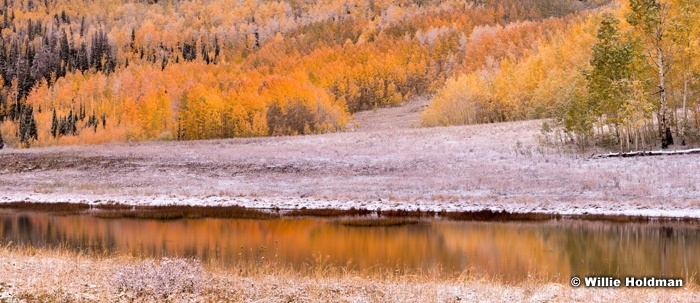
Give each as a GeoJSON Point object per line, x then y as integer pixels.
{"type": "Point", "coordinates": [512, 251]}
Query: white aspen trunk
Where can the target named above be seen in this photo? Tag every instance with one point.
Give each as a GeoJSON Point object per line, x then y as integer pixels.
{"type": "Point", "coordinates": [627, 132]}
{"type": "Point", "coordinates": [685, 109]}
{"type": "Point", "coordinates": [663, 103]}
{"type": "Point", "coordinates": [619, 138]}
{"type": "Point", "coordinates": [696, 114]}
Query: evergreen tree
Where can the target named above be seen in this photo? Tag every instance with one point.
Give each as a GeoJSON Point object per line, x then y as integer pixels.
{"type": "Point", "coordinates": [27, 127]}
{"type": "Point", "coordinates": [132, 43]}
{"type": "Point", "coordinates": [54, 124]}
{"type": "Point", "coordinates": [217, 49]}
{"type": "Point", "coordinates": [83, 62]}
{"type": "Point", "coordinates": [64, 49]}
{"type": "Point", "coordinates": [62, 126]}
{"type": "Point", "coordinates": [72, 119]}
{"type": "Point", "coordinates": [33, 132]}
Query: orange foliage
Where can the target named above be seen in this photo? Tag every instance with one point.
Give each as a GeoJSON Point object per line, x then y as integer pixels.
{"type": "Point", "coordinates": [206, 69]}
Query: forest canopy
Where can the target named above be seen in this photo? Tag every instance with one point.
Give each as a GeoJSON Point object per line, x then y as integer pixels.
{"type": "Point", "coordinates": [84, 72]}
{"type": "Point", "coordinates": [624, 76]}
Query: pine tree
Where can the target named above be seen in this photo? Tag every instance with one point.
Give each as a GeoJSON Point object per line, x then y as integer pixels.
{"type": "Point", "coordinates": [27, 127]}
{"type": "Point", "coordinates": [64, 53]}
{"type": "Point", "coordinates": [217, 49]}
{"type": "Point", "coordinates": [132, 43]}
{"type": "Point", "coordinates": [33, 132]}
{"type": "Point", "coordinates": [54, 124]}
{"type": "Point", "coordinates": [82, 27]}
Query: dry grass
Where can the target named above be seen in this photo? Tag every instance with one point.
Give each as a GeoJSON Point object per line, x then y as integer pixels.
{"type": "Point", "coordinates": [327, 212]}
{"type": "Point", "coordinates": [68, 208]}
{"type": "Point", "coordinates": [349, 217]}
{"type": "Point", "coordinates": [375, 222]}
{"type": "Point", "coordinates": [55, 275]}
{"type": "Point", "coordinates": [455, 169]}
{"type": "Point", "coordinates": [163, 280]}
{"type": "Point", "coordinates": [489, 215]}
{"type": "Point", "coordinates": [179, 212]}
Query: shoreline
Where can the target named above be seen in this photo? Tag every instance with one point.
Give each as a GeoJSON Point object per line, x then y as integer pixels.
{"type": "Point", "coordinates": [79, 277]}
{"type": "Point", "coordinates": [495, 167]}
{"type": "Point", "coordinates": [110, 210]}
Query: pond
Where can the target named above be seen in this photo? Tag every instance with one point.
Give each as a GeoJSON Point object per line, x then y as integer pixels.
{"type": "Point", "coordinates": [511, 250]}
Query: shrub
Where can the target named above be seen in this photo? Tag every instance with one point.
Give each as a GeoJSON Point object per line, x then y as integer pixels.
{"type": "Point", "coordinates": [165, 280]}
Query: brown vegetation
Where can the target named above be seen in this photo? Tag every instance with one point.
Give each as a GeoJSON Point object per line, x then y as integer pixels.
{"type": "Point", "coordinates": [348, 217]}
{"type": "Point", "coordinates": [374, 222]}
{"type": "Point", "coordinates": [180, 212]}
{"type": "Point", "coordinates": [87, 278]}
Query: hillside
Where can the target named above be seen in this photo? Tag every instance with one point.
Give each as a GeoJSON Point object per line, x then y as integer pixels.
{"type": "Point", "coordinates": [76, 72]}
{"type": "Point", "coordinates": [624, 77]}
{"type": "Point", "coordinates": [495, 166]}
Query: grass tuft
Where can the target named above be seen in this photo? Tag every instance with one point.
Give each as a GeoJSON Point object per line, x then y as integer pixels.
{"type": "Point", "coordinates": [328, 212]}
{"type": "Point", "coordinates": [182, 212]}
{"type": "Point", "coordinates": [164, 280]}
{"type": "Point", "coordinates": [63, 208]}
{"type": "Point", "coordinates": [490, 215]}
{"type": "Point", "coordinates": [377, 222]}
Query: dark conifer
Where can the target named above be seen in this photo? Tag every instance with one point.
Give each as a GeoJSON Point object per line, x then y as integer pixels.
{"type": "Point", "coordinates": [33, 132]}
{"type": "Point", "coordinates": [82, 27]}
{"type": "Point", "coordinates": [64, 53]}
{"type": "Point", "coordinates": [54, 124]}
{"type": "Point", "coordinates": [27, 127]}
{"type": "Point", "coordinates": [217, 49]}
{"type": "Point", "coordinates": [132, 44]}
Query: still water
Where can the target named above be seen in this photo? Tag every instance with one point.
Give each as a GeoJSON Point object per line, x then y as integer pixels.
{"type": "Point", "coordinates": [511, 251]}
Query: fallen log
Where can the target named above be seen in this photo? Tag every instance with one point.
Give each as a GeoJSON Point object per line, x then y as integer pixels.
{"type": "Point", "coordinates": [647, 153]}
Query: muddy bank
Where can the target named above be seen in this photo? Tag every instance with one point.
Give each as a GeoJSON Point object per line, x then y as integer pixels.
{"type": "Point", "coordinates": [353, 216]}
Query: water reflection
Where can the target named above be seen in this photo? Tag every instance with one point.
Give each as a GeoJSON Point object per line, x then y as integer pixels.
{"type": "Point", "coordinates": [509, 250]}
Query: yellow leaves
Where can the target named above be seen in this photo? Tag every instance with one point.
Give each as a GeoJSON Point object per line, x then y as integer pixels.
{"type": "Point", "coordinates": [203, 114]}
{"type": "Point", "coordinates": [298, 108]}
{"type": "Point", "coordinates": [458, 102]}
{"type": "Point", "coordinates": [637, 108]}
{"type": "Point", "coordinates": [510, 89]}
{"type": "Point", "coordinates": [368, 76]}
{"type": "Point", "coordinates": [298, 67]}
{"type": "Point", "coordinates": [155, 115]}
{"type": "Point", "coordinates": [257, 106]}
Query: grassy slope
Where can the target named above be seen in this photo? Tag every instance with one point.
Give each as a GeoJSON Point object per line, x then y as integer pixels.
{"type": "Point", "coordinates": [498, 166]}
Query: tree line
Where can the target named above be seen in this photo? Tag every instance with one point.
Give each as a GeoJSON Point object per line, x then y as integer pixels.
{"type": "Point", "coordinates": [624, 78]}
{"type": "Point", "coordinates": [78, 71]}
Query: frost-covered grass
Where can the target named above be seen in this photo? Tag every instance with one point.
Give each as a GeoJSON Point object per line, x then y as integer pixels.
{"type": "Point", "coordinates": [461, 168]}
{"type": "Point", "coordinates": [55, 275]}
{"type": "Point", "coordinates": [169, 278]}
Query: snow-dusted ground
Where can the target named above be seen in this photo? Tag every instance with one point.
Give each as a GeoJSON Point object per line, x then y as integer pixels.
{"type": "Point", "coordinates": [495, 166]}
{"type": "Point", "coordinates": [48, 276]}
